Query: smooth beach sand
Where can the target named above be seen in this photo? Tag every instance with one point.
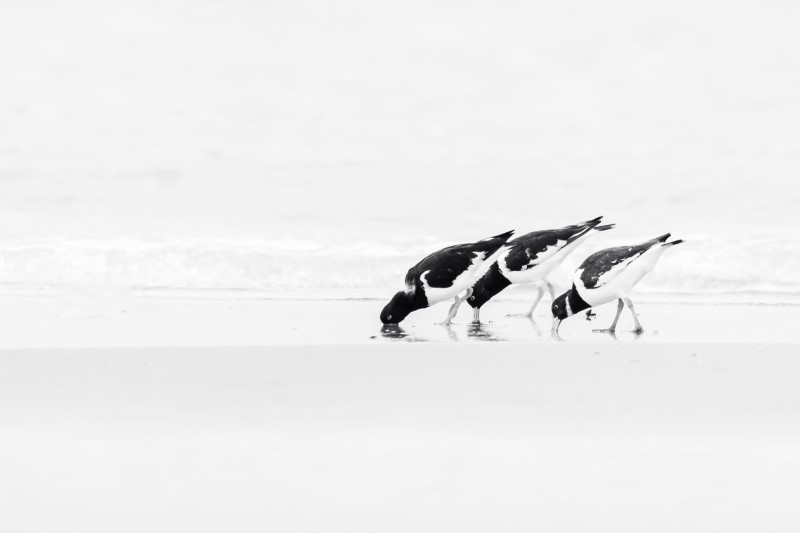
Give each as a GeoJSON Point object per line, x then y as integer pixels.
{"type": "Point", "coordinates": [379, 434]}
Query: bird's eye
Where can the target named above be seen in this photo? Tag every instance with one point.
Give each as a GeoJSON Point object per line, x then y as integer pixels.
{"type": "Point", "coordinates": [389, 317]}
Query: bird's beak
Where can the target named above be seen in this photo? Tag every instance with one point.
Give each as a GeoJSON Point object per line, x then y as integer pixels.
{"type": "Point", "coordinates": [556, 324]}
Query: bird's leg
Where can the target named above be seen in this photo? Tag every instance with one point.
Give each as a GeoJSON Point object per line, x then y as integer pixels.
{"type": "Point", "coordinates": [456, 303]}
{"type": "Point", "coordinates": [552, 290]}
{"type": "Point", "coordinates": [539, 294]}
{"type": "Point", "coordinates": [613, 326]}
{"type": "Point", "coordinates": [454, 308]}
{"type": "Point", "coordinates": [476, 315]}
{"type": "Point", "coordinates": [639, 328]}
{"type": "Point", "coordinates": [451, 313]}
{"type": "Point", "coordinates": [529, 314]}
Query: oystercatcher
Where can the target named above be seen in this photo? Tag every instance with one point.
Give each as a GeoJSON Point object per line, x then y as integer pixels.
{"type": "Point", "coordinates": [529, 258]}
{"type": "Point", "coordinates": [608, 275]}
{"type": "Point", "coordinates": [443, 275]}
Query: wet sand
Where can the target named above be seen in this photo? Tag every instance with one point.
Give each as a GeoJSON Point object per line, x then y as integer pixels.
{"type": "Point", "coordinates": [693, 426]}
{"type": "Point", "coordinates": [153, 319]}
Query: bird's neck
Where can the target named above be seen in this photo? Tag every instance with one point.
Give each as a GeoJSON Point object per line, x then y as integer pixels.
{"type": "Point", "coordinates": [417, 299]}
{"type": "Point", "coordinates": [576, 303]}
{"type": "Point", "coordinates": [490, 284]}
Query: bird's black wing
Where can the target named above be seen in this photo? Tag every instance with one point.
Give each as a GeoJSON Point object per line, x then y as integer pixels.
{"type": "Point", "coordinates": [527, 251]}
{"type": "Point", "coordinates": [446, 265]}
{"type": "Point", "coordinates": [608, 263]}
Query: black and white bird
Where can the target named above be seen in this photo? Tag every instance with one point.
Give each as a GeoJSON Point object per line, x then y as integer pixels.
{"type": "Point", "coordinates": [530, 258]}
{"type": "Point", "coordinates": [444, 275]}
{"type": "Point", "coordinates": [609, 275]}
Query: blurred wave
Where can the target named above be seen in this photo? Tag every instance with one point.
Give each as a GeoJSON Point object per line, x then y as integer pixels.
{"type": "Point", "coordinates": [725, 268]}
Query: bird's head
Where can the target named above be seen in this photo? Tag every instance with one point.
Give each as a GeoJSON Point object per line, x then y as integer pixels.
{"type": "Point", "coordinates": [560, 307]}
{"type": "Point", "coordinates": [566, 305]}
{"type": "Point", "coordinates": [398, 308]}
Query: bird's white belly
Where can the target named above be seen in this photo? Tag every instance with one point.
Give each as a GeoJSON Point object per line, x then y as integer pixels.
{"type": "Point", "coordinates": [599, 295]}
{"type": "Point", "coordinates": [440, 294]}
{"type": "Point", "coordinates": [464, 281]}
{"type": "Point", "coordinates": [549, 260]}
{"type": "Point", "coordinates": [532, 274]}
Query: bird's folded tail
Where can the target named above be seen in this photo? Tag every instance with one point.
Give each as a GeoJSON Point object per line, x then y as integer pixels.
{"type": "Point", "coordinates": [583, 228]}
{"type": "Point", "coordinates": [503, 236]}
{"type": "Point", "coordinates": [663, 241]}
{"type": "Point", "coordinates": [605, 227]}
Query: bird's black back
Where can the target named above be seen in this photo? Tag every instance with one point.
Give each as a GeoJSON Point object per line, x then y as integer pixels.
{"type": "Point", "coordinates": [603, 261]}
{"type": "Point", "coordinates": [525, 249]}
{"type": "Point", "coordinates": [448, 263]}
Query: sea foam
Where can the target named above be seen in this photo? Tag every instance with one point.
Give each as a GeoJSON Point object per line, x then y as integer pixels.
{"type": "Point", "coordinates": [763, 271]}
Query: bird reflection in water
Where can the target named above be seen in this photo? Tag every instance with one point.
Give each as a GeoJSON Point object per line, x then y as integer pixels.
{"type": "Point", "coordinates": [542, 331]}
{"type": "Point", "coordinates": [610, 332]}
{"type": "Point", "coordinates": [637, 334]}
{"type": "Point", "coordinates": [451, 333]}
{"type": "Point", "coordinates": [479, 332]}
{"type": "Point", "coordinates": [395, 332]}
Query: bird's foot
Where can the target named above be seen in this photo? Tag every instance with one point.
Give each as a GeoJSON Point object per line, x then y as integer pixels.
{"type": "Point", "coordinates": [639, 330]}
